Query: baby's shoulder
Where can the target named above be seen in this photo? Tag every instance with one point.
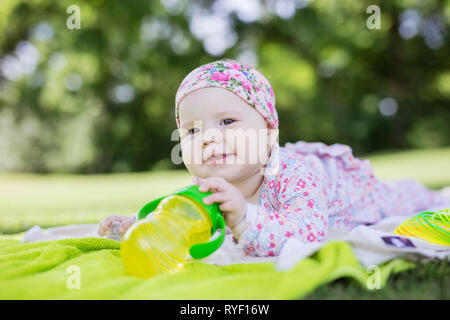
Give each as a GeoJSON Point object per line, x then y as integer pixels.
{"type": "Point", "coordinates": [296, 173]}
{"type": "Point", "coordinates": [294, 163]}
{"type": "Point", "coordinates": [296, 166]}
{"type": "Point", "coordinates": [290, 157]}
{"type": "Point", "coordinates": [286, 164]}
{"type": "Point", "coordinates": [295, 158]}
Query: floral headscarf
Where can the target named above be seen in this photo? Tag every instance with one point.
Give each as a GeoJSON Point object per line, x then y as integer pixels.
{"type": "Point", "coordinates": [246, 82]}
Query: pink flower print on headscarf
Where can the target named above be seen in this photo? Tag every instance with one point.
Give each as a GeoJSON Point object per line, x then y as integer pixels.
{"type": "Point", "coordinates": [271, 92]}
{"type": "Point", "coordinates": [269, 105]}
{"type": "Point", "coordinates": [234, 66]}
{"type": "Point", "coordinates": [244, 81]}
{"type": "Point", "coordinates": [206, 67]}
{"type": "Point", "coordinates": [220, 76]}
{"type": "Point", "coordinates": [247, 85]}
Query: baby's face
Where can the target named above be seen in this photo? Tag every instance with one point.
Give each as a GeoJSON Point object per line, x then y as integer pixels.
{"type": "Point", "coordinates": [222, 136]}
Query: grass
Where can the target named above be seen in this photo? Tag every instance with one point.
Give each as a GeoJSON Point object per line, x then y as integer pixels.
{"type": "Point", "coordinates": [429, 166]}
{"type": "Point", "coordinates": [52, 200]}
{"type": "Point", "coordinates": [427, 281]}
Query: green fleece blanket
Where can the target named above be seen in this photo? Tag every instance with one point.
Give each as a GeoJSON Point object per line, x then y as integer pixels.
{"type": "Point", "coordinates": [91, 268]}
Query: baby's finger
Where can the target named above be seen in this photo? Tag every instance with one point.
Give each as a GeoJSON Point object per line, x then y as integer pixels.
{"type": "Point", "coordinates": [101, 231]}
{"type": "Point", "coordinates": [108, 221]}
{"type": "Point", "coordinates": [216, 197]}
{"type": "Point", "coordinates": [213, 183]}
{"type": "Point", "coordinates": [125, 225]}
{"type": "Point", "coordinates": [227, 206]}
{"type": "Point", "coordinates": [105, 225]}
{"type": "Point", "coordinates": [102, 228]}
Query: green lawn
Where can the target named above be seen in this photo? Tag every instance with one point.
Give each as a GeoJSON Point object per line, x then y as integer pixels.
{"type": "Point", "coordinates": [51, 200]}
{"type": "Point", "coordinates": [431, 167]}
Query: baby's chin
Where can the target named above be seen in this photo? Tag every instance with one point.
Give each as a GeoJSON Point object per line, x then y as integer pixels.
{"type": "Point", "coordinates": [229, 172]}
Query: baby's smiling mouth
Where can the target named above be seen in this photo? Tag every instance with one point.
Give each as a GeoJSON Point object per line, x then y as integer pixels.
{"type": "Point", "coordinates": [219, 159]}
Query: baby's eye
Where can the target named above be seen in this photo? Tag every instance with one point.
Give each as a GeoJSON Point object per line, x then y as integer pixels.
{"type": "Point", "coordinates": [193, 130]}
{"type": "Point", "coordinates": [227, 121]}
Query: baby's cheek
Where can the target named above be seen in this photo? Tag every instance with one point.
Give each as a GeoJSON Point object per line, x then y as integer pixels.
{"type": "Point", "coordinates": [191, 152]}
{"type": "Point", "coordinates": [251, 149]}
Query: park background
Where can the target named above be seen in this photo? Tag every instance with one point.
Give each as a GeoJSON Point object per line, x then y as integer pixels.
{"type": "Point", "coordinates": [86, 115]}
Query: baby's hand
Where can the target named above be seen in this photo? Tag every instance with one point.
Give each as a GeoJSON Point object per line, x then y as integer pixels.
{"type": "Point", "coordinates": [231, 200]}
{"type": "Point", "coordinates": [105, 225]}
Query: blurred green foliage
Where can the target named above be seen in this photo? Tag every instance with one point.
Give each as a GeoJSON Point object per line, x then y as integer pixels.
{"type": "Point", "coordinates": [101, 98]}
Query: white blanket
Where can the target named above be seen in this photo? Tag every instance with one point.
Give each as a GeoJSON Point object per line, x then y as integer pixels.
{"type": "Point", "coordinates": [372, 245]}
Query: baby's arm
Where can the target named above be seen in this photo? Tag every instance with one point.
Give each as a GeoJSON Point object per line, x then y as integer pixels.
{"type": "Point", "coordinates": [302, 214]}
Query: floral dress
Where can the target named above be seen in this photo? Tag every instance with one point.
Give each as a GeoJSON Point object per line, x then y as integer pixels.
{"type": "Point", "coordinates": [309, 187]}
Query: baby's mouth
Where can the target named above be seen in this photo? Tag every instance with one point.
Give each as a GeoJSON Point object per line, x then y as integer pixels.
{"type": "Point", "coordinates": [219, 159]}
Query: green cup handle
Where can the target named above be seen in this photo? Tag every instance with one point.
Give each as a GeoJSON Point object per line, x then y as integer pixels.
{"type": "Point", "coordinates": [202, 250]}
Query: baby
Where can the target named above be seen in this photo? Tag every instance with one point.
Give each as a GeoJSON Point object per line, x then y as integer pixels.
{"type": "Point", "coordinates": [299, 190]}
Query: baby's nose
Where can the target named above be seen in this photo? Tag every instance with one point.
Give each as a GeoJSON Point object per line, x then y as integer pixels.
{"type": "Point", "coordinates": [212, 136]}
{"type": "Point", "coordinates": [206, 142]}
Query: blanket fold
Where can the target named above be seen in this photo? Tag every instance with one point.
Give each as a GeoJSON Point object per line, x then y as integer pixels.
{"type": "Point", "coordinates": [51, 270]}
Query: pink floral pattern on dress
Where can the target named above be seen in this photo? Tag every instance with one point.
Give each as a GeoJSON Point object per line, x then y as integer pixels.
{"type": "Point", "coordinates": [318, 186]}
